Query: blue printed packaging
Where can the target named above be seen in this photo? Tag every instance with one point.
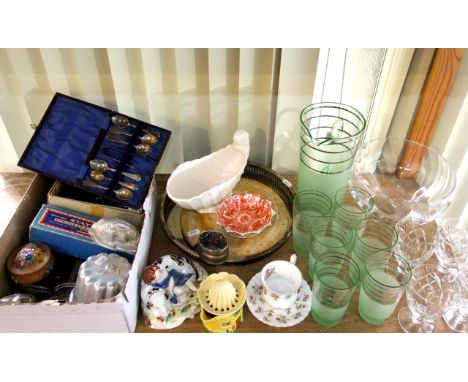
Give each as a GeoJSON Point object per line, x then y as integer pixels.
{"type": "Point", "coordinates": [66, 231]}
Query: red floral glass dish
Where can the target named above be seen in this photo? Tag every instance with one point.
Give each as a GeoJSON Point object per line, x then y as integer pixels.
{"type": "Point", "coordinates": [245, 215]}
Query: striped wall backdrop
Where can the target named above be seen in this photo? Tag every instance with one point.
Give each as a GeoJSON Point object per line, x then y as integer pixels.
{"type": "Point", "coordinates": [204, 95]}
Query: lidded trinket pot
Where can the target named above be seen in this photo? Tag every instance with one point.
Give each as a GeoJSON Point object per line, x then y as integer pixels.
{"type": "Point", "coordinates": [30, 263]}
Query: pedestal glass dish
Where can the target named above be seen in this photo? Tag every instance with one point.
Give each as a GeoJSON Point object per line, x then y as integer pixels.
{"type": "Point", "coordinates": [416, 240]}
{"type": "Point", "coordinates": [451, 244]}
{"type": "Point", "coordinates": [457, 316]}
{"type": "Point", "coordinates": [430, 294]}
{"type": "Point", "coordinates": [407, 179]}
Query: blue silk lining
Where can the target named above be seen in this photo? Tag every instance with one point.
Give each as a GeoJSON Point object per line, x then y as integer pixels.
{"type": "Point", "coordinates": [61, 148]}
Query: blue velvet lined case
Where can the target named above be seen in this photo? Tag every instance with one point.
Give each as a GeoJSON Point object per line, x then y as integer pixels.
{"type": "Point", "coordinates": [73, 132]}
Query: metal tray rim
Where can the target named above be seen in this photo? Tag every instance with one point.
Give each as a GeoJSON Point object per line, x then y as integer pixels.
{"type": "Point", "coordinates": [187, 250]}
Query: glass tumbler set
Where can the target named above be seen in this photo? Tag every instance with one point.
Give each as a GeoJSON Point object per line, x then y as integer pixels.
{"type": "Point", "coordinates": [377, 235]}
{"type": "Point", "coordinates": [346, 247]}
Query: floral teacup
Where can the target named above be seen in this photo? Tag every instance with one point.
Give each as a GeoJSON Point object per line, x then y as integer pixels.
{"type": "Point", "coordinates": [281, 282]}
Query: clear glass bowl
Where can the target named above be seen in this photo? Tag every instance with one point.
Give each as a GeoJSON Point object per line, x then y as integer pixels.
{"type": "Point", "coordinates": [420, 189]}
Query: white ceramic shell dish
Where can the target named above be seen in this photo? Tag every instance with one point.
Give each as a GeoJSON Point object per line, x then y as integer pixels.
{"type": "Point", "coordinates": [202, 183]}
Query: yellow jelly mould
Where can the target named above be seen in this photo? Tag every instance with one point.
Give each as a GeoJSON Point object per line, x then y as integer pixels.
{"type": "Point", "coordinates": [222, 297]}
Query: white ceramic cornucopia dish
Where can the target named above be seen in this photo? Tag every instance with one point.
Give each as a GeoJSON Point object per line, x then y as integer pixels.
{"type": "Point", "coordinates": [202, 183]}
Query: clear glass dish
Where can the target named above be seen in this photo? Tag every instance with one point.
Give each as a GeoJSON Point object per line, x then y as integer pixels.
{"type": "Point", "coordinates": [408, 180]}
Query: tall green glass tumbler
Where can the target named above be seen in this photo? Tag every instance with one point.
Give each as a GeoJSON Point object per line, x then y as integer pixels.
{"type": "Point", "coordinates": [352, 204]}
{"type": "Point", "coordinates": [307, 207]}
{"type": "Point", "coordinates": [386, 276]}
{"type": "Point", "coordinates": [372, 235]}
{"type": "Point", "coordinates": [335, 279]}
{"type": "Point", "coordinates": [329, 235]}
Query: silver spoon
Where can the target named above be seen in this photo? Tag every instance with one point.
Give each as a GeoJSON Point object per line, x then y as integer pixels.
{"type": "Point", "coordinates": [122, 194]}
{"type": "Point", "coordinates": [149, 139]}
{"type": "Point", "coordinates": [102, 166]}
{"type": "Point", "coordinates": [131, 186]}
{"type": "Point", "coordinates": [121, 120]}
{"type": "Point", "coordinates": [17, 298]}
{"type": "Point", "coordinates": [115, 138]}
{"type": "Point", "coordinates": [116, 130]}
{"type": "Point", "coordinates": [134, 177]}
{"type": "Point", "coordinates": [98, 176]}
{"type": "Point", "coordinates": [88, 183]}
{"type": "Point", "coordinates": [143, 148]}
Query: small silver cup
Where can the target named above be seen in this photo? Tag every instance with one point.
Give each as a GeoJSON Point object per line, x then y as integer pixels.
{"type": "Point", "coordinates": [213, 247]}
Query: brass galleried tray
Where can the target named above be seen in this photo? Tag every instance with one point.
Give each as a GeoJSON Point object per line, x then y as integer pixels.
{"type": "Point", "coordinates": [183, 226]}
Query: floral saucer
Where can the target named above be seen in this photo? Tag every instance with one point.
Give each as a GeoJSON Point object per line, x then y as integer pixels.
{"type": "Point", "coordinates": [280, 318]}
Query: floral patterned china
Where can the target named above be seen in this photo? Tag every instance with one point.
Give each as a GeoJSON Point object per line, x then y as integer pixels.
{"type": "Point", "coordinates": [281, 281]}
{"type": "Point", "coordinates": [280, 318]}
{"type": "Point", "coordinates": [245, 214]}
{"type": "Point", "coordinates": [169, 291]}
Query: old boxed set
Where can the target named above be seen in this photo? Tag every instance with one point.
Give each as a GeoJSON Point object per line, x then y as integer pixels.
{"type": "Point", "coordinates": [96, 218]}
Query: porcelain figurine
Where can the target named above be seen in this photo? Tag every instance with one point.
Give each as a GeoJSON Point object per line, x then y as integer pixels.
{"type": "Point", "coordinates": [169, 291]}
{"type": "Point", "coordinates": [116, 234]}
{"type": "Point", "coordinates": [202, 183]}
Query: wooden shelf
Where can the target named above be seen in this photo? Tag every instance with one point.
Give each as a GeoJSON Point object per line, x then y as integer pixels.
{"type": "Point", "coordinates": [352, 322]}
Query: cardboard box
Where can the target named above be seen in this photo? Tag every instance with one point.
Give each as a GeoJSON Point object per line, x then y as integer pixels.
{"type": "Point", "coordinates": [67, 231]}
{"type": "Point", "coordinates": [117, 316]}
{"type": "Point", "coordinates": [132, 216]}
